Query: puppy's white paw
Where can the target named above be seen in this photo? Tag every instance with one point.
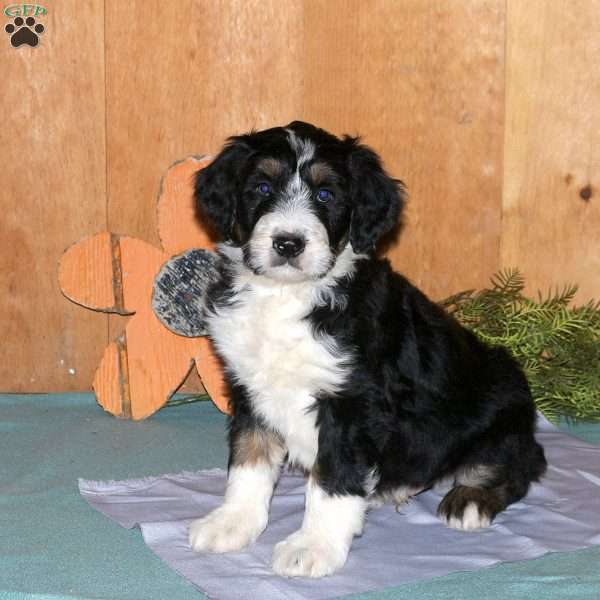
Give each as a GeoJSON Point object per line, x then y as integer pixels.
{"type": "Point", "coordinates": [302, 555]}
{"type": "Point", "coordinates": [226, 529]}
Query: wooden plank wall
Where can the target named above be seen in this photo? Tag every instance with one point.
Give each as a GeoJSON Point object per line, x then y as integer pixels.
{"type": "Point", "coordinates": [551, 208]}
{"type": "Point", "coordinates": [488, 109]}
{"type": "Point", "coordinates": [52, 192]}
{"type": "Point", "coordinates": [427, 92]}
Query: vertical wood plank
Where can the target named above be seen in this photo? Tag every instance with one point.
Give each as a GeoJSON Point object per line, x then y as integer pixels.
{"type": "Point", "coordinates": [199, 73]}
{"type": "Point", "coordinates": [551, 204]}
{"type": "Point", "coordinates": [423, 82]}
{"type": "Point", "coordinates": [53, 194]}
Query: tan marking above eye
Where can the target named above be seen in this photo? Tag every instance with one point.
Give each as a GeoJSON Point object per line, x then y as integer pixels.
{"type": "Point", "coordinates": [320, 172]}
{"type": "Point", "coordinates": [271, 167]}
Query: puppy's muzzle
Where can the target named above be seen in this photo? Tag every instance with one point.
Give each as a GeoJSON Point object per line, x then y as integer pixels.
{"type": "Point", "coordinates": [288, 246]}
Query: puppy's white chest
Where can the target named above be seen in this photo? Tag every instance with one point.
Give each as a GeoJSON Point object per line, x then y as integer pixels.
{"type": "Point", "coordinates": [270, 346]}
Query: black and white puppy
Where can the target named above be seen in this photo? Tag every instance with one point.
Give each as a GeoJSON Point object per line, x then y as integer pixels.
{"type": "Point", "coordinates": [339, 365]}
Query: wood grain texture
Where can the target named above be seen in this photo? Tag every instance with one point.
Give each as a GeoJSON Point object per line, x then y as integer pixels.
{"type": "Point", "coordinates": [158, 360]}
{"type": "Point", "coordinates": [96, 114]}
{"type": "Point", "coordinates": [52, 190]}
{"type": "Point", "coordinates": [180, 81]}
{"type": "Point", "coordinates": [147, 363]}
{"type": "Point", "coordinates": [179, 229]}
{"type": "Point", "coordinates": [423, 83]}
{"type": "Point", "coordinates": [551, 227]}
{"type": "Point", "coordinates": [110, 380]}
{"type": "Point", "coordinates": [179, 226]}
{"type": "Point", "coordinates": [88, 274]}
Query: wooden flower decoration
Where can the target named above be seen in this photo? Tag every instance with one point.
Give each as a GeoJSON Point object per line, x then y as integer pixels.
{"type": "Point", "coordinates": [142, 369]}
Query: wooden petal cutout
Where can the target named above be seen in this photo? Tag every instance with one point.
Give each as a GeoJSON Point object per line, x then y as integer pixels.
{"type": "Point", "coordinates": [110, 273]}
{"type": "Point", "coordinates": [89, 273]}
{"type": "Point", "coordinates": [140, 262]}
{"type": "Point", "coordinates": [210, 369]}
{"type": "Point", "coordinates": [158, 362]}
{"type": "Point", "coordinates": [111, 381]}
{"type": "Point", "coordinates": [143, 368]}
{"type": "Point", "coordinates": [147, 364]}
{"type": "Point", "coordinates": [179, 227]}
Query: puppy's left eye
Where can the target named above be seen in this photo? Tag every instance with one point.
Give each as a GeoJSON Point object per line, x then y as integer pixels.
{"type": "Point", "coordinates": [264, 188]}
{"type": "Point", "coordinates": [324, 195]}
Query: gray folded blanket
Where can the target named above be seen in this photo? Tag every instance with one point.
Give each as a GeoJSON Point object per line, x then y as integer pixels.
{"type": "Point", "coordinates": [560, 513]}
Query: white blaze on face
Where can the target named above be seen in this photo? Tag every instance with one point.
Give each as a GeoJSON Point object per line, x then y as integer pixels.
{"type": "Point", "coordinates": [292, 215]}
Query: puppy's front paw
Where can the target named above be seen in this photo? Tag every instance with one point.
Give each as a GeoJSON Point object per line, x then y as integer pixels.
{"type": "Point", "coordinates": [303, 555]}
{"type": "Point", "coordinates": [226, 529]}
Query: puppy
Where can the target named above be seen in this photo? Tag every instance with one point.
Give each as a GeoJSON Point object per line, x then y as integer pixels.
{"type": "Point", "coordinates": [339, 365]}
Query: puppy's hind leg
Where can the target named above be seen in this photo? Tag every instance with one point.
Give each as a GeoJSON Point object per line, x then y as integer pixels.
{"type": "Point", "coordinates": [481, 491]}
{"type": "Point", "coordinates": [470, 508]}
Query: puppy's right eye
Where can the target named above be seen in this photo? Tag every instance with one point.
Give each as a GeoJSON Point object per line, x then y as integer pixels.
{"type": "Point", "coordinates": [264, 188]}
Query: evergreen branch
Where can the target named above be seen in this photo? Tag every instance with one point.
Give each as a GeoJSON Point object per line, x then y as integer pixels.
{"type": "Point", "coordinates": [558, 345]}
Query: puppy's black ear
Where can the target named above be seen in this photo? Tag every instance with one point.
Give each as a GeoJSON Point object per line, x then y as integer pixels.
{"type": "Point", "coordinates": [377, 199]}
{"type": "Point", "coordinates": [218, 186]}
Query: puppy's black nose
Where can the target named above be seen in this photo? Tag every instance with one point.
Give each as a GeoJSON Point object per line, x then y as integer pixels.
{"type": "Point", "coordinates": [288, 245]}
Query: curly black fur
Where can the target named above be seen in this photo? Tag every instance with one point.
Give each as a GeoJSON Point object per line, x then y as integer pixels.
{"type": "Point", "coordinates": [424, 398]}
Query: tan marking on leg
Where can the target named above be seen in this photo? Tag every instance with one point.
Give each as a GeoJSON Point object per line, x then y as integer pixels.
{"type": "Point", "coordinates": [257, 445]}
{"type": "Point", "coordinates": [476, 475]}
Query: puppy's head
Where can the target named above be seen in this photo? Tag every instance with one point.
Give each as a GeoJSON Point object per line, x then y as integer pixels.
{"type": "Point", "coordinates": [293, 198]}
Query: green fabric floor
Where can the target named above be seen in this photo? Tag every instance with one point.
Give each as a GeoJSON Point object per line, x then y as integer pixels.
{"type": "Point", "coordinates": [54, 546]}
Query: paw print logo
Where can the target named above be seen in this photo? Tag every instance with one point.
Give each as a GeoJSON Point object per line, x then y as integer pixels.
{"type": "Point", "coordinates": [24, 31]}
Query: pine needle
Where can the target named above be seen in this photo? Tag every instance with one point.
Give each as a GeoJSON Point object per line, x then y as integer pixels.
{"type": "Point", "coordinates": [558, 345]}
{"type": "Point", "coordinates": [189, 399]}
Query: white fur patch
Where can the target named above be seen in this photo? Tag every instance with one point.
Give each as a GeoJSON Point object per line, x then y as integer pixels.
{"type": "Point", "coordinates": [304, 149]}
{"type": "Point", "coordinates": [320, 547]}
{"type": "Point", "coordinates": [371, 481]}
{"type": "Point", "coordinates": [397, 496]}
{"type": "Point", "coordinates": [471, 519]}
{"type": "Point", "coordinates": [244, 514]}
{"type": "Point", "coordinates": [270, 348]}
{"type": "Point", "coordinates": [292, 216]}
